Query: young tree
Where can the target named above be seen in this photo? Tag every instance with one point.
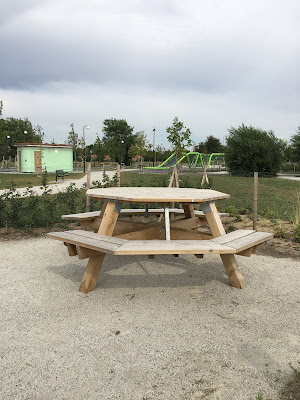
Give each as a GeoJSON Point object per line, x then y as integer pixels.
{"type": "Point", "coordinates": [211, 145]}
{"type": "Point", "coordinates": [118, 138]}
{"type": "Point", "coordinates": [73, 140]}
{"type": "Point", "coordinates": [1, 107]}
{"type": "Point", "coordinates": [295, 139]}
{"type": "Point", "coordinates": [140, 146]}
{"type": "Point", "coordinates": [251, 149]}
{"type": "Point", "coordinates": [179, 137]}
{"type": "Point", "coordinates": [99, 148]}
{"type": "Point", "coordinates": [13, 130]}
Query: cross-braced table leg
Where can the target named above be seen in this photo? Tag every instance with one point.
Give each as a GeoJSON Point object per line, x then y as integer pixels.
{"type": "Point", "coordinates": [94, 264]}
{"type": "Point", "coordinates": [229, 261]}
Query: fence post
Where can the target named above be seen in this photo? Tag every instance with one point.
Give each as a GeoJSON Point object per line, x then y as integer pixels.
{"type": "Point", "coordinates": [255, 190]}
{"type": "Point", "coordinates": [119, 175]}
{"type": "Point", "coordinates": [88, 185]}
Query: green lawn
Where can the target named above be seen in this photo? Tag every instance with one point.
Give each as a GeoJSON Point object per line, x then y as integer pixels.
{"type": "Point", "coordinates": [277, 198]}
{"type": "Point", "coordinates": [24, 180]}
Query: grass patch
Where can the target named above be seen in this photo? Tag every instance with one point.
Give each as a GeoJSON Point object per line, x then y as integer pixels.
{"type": "Point", "coordinates": [28, 179]}
{"type": "Point", "coordinates": [276, 197]}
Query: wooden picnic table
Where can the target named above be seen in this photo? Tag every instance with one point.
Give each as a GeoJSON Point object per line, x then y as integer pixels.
{"type": "Point", "coordinates": [171, 236]}
{"type": "Point", "coordinates": [113, 198]}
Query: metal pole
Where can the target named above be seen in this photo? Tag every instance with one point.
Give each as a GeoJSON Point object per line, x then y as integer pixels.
{"type": "Point", "coordinates": [84, 154]}
{"type": "Point", "coordinates": [154, 147]}
{"type": "Point", "coordinates": [88, 185]}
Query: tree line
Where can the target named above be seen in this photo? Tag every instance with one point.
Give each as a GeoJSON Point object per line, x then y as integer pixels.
{"type": "Point", "coordinates": [247, 148]}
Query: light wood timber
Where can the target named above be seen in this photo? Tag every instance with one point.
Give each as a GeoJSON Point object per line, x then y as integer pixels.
{"type": "Point", "coordinates": [90, 240]}
{"type": "Point", "coordinates": [91, 273]}
{"type": "Point", "coordinates": [185, 234]}
{"type": "Point", "coordinates": [149, 195]}
{"type": "Point", "coordinates": [113, 245]}
{"type": "Point", "coordinates": [245, 240]}
{"type": "Point", "coordinates": [121, 227]}
{"type": "Point", "coordinates": [84, 253]}
{"type": "Point", "coordinates": [255, 190]}
{"type": "Point", "coordinates": [144, 234]}
{"type": "Point", "coordinates": [102, 210]}
{"type": "Point", "coordinates": [94, 265]}
{"type": "Point", "coordinates": [229, 261]}
{"type": "Point", "coordinates": [245, 253]}
{"type": "Point", "coordinates": [129, 212]}
{"type": "Point", "coordinates": [145, 247]}
{"type": "Point", "coordinates": [109, 219]}
{"type": "Point", "coordinates": [71, 249]}
{"type": "Point", "coordinates": [189, 211]}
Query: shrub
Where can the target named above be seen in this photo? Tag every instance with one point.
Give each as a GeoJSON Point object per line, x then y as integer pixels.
{"type": "Point", "coordinates": [297, 234]}
{"type": "Point", "coordinates": [251, 149]}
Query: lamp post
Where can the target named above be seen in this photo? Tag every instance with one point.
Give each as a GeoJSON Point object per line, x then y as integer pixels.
{"type": "Point", "coordinates": [122, 142]}
{"type": "Point", "coordinates": [84, 153]}
{"type": "Point", "coordinates": [154, 147]}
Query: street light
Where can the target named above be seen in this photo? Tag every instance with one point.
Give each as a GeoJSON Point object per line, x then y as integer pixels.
{"type": "Point", "coordinates": [154, 158]}
{"type": "Point", "coordinates": [84, 156]}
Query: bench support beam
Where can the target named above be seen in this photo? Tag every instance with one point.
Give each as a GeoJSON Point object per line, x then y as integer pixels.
{"type": "Point", "coordinates": [94, 265]}
{"type": "Point", "coordinates": [229, 261]}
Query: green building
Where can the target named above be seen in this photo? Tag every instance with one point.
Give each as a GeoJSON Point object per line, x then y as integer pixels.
{"type": "Point", "coordinates": [38, 157]}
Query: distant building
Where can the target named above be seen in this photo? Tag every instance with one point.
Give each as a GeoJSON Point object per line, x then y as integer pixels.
{"type": "Point", "coordinates": [38, 157]}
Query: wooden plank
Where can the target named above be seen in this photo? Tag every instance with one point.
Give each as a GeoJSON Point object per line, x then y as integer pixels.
{"type": "Point", "coordinates": [233, 235]}
{"type": "Point", "coordinates": [93, 243]}
{"type": "Point", "coordinates": [144, 234]}
{"type": "Point", "coordinates": [172, 247]}
{"type": "Point", "coordinates": [71, 249]}
{"type": "Point", "coordinates": [189, 211]}
{"type": "Point", "coordinates": [79, 216]}
{"type": "Point", "coordinates": [128, 211]}
{"type": "Point", "coordinates": [184, 234]}
{"type": "Point", "coordinates": [199, 255]}
{"type": "Point", "coordinates": [90, 238]}
{"type": "Point", "coordinates": [245, 253]}
{"type": "Point", "coordinates": [157, 194]}
{"type": "Point", "coordinates": [121, 227]}
{"type": "Point", "coordinates": [97, 237]}
{"type": "Point", "coordinates": [245, 242]}
{"type": "Point", "coordinates": [83, 252]}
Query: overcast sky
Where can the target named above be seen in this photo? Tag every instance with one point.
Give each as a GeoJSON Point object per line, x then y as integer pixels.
{"type": "Point", "coordinates": [213, 63]}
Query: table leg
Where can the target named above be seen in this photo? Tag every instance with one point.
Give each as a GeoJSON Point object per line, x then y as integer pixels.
{"type": "Point", "coordinates": [167, 223]}
{"type": "Point", "coordinates": [229, 261]}
{"type": "Point", "coordinates": [94, 265]}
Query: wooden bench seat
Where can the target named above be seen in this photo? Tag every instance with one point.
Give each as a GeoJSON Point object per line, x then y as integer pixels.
{"type": "Point", "coordinates": [88, 216]}
{"type": "Point", "coordinates": [237, 242]}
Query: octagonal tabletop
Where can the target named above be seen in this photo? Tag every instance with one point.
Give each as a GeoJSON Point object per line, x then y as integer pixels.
{"type": "Point", "coordinates": [157, 194]}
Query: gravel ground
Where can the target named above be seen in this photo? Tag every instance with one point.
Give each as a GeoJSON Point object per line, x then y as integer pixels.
{"type": "Point", "coordinates": [169, 328]}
